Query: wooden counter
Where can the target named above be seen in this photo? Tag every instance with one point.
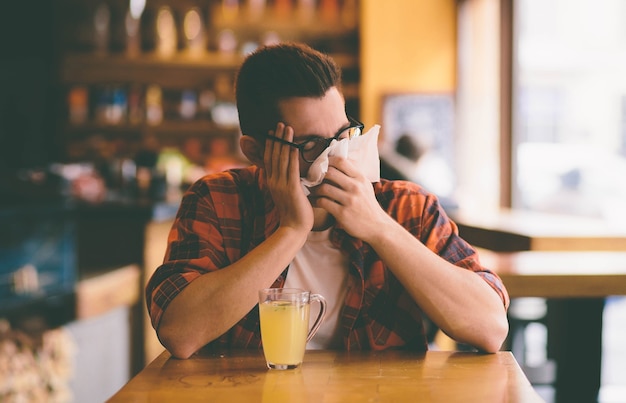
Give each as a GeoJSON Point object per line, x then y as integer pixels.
{"type": "Point", "coordinates": [111, 289]}
{"type": "Point", "coordinates": [388, 376]}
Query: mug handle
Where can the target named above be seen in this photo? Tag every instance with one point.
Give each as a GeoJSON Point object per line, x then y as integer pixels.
{"type": "Point", "coordinates": [320, 315]}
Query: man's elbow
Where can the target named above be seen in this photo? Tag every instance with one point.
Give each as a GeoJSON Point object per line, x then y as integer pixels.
{"type": "Point", "coordinates": [179, 346]}
{"type": "Point", "coordinates": [494, 339]}
{"type": "Point", "coordinates": [179, 352]}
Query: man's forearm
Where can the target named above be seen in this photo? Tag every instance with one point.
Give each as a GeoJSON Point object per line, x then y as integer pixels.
{"type": "Point", "coordinates": [459, 301]}
{"type": "Point", "coordinates": [216, 301]}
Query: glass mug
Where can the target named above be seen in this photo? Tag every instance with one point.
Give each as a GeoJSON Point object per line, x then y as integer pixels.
{"type": "Point", "coordinates": [284, 316]}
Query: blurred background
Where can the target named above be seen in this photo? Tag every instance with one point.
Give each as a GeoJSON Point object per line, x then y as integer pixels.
{"type": "Point", "coordinates": [109, 109]}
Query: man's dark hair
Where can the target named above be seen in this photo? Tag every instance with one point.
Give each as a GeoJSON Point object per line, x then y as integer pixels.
{"type": "Point", "coordinates": [277, 72]}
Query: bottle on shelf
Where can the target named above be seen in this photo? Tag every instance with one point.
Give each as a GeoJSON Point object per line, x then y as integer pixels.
{"type": "Point", "coordinates": [154, 105]}
{"type": "Point", "coordinates": [166, 37]}
{"type": "Point", "coordinates": [283, 9]}
{"type": "Point", "coordinates": [188, 104]}
{"type": "Point", "coordinates": [329, 11]}
{"type": "Point", "coordinates": [111, 105]}
{"type": "Point", "coordinates": [229, 10]}
{"type": "Point", "coordinates": [135, 104]}
{"type": "Point", "coordinates": [227, 41]}
{"type": "Point", "coordinates": [78, 104]}
{"type": "Point", "coordinates": [255, 10]}
{"type": "Point", "coordinates": [306, 10]}
{"type": "Point", "coordinates": [132, 25]}
{"type": "Point", "coordinates": [194, 31]}
{"type": "Point", "coordinates": [102, 28]}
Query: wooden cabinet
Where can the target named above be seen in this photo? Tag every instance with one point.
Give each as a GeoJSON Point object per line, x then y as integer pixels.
{"type": "Point", "coordinates": [109, 92]}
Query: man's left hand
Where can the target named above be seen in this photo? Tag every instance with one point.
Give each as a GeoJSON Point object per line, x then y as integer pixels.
{"type": "Point", "coordinates": [349, 197]}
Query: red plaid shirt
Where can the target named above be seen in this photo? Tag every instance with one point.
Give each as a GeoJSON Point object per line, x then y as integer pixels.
{"type": "Point", "coordinates": [223, 216]}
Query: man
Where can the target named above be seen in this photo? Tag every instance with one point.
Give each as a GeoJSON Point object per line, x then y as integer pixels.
{"type": "Point", "coordinates": [384, 254]}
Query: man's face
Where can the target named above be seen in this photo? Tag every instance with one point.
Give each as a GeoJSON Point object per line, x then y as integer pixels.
{"type": "Point", "coordinates": [314, 117]}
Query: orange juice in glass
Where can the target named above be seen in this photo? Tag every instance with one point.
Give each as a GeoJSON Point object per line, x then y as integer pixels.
{"type": "Point", "coordinates": [284, 316]}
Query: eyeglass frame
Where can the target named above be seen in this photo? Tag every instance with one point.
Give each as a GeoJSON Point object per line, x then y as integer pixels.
{"type": "Point", "coordinates": [354, 124]}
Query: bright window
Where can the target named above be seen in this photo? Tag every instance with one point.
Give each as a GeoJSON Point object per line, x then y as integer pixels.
{"type": "Point", "coordinates": [569, 107]}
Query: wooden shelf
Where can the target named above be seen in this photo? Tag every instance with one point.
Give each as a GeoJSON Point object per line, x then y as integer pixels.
{"type": "Point", "coordinates": [197, 127]}
{"type": "Point", "coordinates": [186, 70]}
{"type": "Point", "coordinates": [182, 70]}
{"type": "Point", "coordinates": [179, 71]}
{"type": "Point", "coordinates": [293, 28]}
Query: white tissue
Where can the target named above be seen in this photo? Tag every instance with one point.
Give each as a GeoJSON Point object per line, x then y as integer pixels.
{"type": "Point", "coordinates": [361, 150]}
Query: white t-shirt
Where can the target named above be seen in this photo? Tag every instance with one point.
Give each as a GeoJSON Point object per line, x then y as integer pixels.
{"type": "Point", "coordinates": [322, 269]}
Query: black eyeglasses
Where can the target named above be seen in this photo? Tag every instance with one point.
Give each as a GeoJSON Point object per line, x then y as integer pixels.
{"type": "Point", "coordinates": [312, 148]}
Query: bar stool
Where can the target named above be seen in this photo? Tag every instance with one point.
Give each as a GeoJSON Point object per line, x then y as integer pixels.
{"type": "Point", "coordinates": [528, 339]}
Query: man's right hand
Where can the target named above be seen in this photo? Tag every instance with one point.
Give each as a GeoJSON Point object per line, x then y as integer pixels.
{"type": "Point", "coordinates": [282, 170]}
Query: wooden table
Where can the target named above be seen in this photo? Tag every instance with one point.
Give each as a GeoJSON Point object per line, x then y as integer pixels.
{"type": "Point", "coordinates": [576, 284]}
{"type": "Point", "coordinates": [333, 376]}
{"type": "Point", "coordinates": [578, 274]}
{"type": "Point", "coordinates": [576, 289]}
{"type": "Point", "coordinates": [518, 230]}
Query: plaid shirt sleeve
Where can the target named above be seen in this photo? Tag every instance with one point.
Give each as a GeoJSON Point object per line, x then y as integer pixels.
{"type": "Point", "coordinates": [431, 225]}
{"type": "Point", "coordinates": [204, 237]}
{"type": "Point", "coordinates": [379, 312]}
